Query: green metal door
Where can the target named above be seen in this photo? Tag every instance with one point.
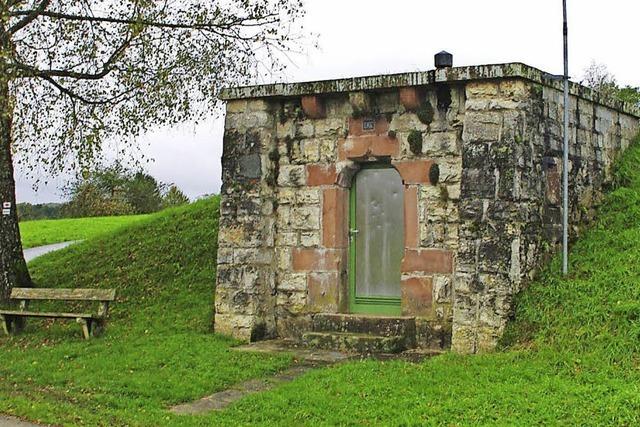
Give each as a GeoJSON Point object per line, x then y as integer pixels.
{"type": "Point", "coordinates": [376, 243]}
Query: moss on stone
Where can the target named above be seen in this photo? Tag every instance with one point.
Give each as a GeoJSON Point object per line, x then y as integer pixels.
{"type": "Point", "coordinates": [434, 174]}
{"type": "Point", "coordinates": [444, 194]}
{"type": "Point", "coordinates": [415, 141]}
{"type": "Point", "coordinates": [272, 177]}
{"type": "Point", "coordinates": [425, 113]}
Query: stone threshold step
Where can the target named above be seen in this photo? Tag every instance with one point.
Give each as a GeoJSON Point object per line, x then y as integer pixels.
{"type": "Point", "coordinates": [360, 343]}
{"type": "Point", "coordinates": [358, 323]}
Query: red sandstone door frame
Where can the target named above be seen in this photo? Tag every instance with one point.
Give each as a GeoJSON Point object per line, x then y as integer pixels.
{"type": "Point", "coordinates": [370, 301]}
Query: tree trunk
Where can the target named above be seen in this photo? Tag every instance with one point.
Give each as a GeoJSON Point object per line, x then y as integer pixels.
{"type": "Point", "coordinates": [13, 268]}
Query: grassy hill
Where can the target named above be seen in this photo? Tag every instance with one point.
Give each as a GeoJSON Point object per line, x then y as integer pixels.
{"type": "Point", "coordinates": [158, 349]}
{"type": "Point", "coordinates": [47, 231]}
{"type": "Point", "coordinates": [571, 357]}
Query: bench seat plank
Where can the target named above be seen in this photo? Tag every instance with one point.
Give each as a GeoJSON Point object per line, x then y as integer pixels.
{"type": "Point", "coordinates": [61, 294]}
{"type": "Point", "coordinates": [48, 315]}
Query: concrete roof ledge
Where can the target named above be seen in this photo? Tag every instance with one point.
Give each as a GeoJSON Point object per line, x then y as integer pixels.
{"type": "Point", "coordinates": [424, 78]}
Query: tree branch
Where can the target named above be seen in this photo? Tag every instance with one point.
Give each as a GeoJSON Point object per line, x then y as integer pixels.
{"type": "Point", "coordinates": [71, 94]}
{"type": "Point", "coordinates": [105, 69]}
{"type": "Point", "coordinates": [29, 16]}
{"type": "Point", "coordinates": [244, 21]}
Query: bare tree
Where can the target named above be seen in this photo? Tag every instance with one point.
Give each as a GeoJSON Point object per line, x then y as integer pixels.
{"type": "Point", "coordinates": [74, 73]}
{"type": "Point", "coordinates": [598, 77]}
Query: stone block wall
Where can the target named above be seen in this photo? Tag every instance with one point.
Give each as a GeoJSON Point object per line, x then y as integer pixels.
{"type": "Point", "coordinates": [479, 154]}
{"type": "Point", "coordinates": [287, 177]}
{"type": "Point", "coordinates": [511, 196]}
{"type": "Point", "coordinates": [319, 154]}
{"type": "Point", "coordinates": [246, 274]}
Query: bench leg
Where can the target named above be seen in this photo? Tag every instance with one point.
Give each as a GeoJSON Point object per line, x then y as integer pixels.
{"type": "Point", "coordinates": [97, 327]}
{"type": "Point", "coordinates": [18, 324]}
{"type": "Point", "coordinates": [12, 325]}
{"type": "Point", "coordinates": [6, 324]}
{"type": "Point", "coordinates": [86, 327]}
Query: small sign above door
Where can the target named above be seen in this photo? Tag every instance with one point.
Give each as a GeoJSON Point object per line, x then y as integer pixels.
{"type": "Point", "coordinates": [368, 124]}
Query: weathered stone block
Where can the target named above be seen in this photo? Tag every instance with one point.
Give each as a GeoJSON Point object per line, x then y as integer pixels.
{"type": "Point", "coordinates": [291, 176]}
{"type": "Point", "coordinates": [305, 129]}
{"type": "Point", "coordinates": [515, 89]}
{"type": "Point", "coordinates": [441, 144]}
{"type": "Point", "coordinates": [324, 292]}
{"type": "Point", "coordinates": [292, 301]}
{"type": "Point", "coordinates": [427, 261]}
{"type": "Point", "coordinates": [293, 282]}
{"type": "Point", "coordinates": [305, 217]}
{"type": "Point", "coordinates": [411, 98]}
{"type": "Point", "coordinates": [481, 89]}
{"type": "Point", "coordinates": [310, 151]}
{"type": "Point", "coordinates": [317, 259]}
{"type": "Point", "coordinates": [253, 256]}
{"type": "Point", "coordinates": [237, 106]}
{"type": "Point", "coordinates": [313, 107]}
{"type": "Point", "coordinates": [414, 171]}
{"type": "Point", "coordinates": [361, 102]}
{"type": "Point", "coordinates": [328, 151]}
{"type": "Point", "coordinates": [255, 105]}
{"type": "Point", "coordinates": [475, 131]}
{"type": "Point", "coordinates": [330, 127]}
{"type": "Point", "coordinates": [225, 255]}
{"type": "Point", "coordinates": [407, 122]}
{"type": "Point", "coordinates": [411, 219]}
{"type": "Point", "coordinates": [310, 239]}
{"type": "Point", "coordinates": [368, 146]}
{"type": "Point", "coordinates": [308, 196]}
{"type": "Point", "coordinates": [417, 296]}
{"type": "Point", "coordinates": [321, 174]}
{"type": "Point", "coordinates": [334, 218]}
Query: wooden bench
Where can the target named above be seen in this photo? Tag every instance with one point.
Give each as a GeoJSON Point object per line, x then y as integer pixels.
{"type": "Point", "coordinates": [92, 324]}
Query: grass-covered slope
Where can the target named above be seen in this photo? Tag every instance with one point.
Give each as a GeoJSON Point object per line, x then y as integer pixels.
{"type": "Point", "coordinates": [158, 349]}
{"type": "Point", "coordinates": [47, 231]}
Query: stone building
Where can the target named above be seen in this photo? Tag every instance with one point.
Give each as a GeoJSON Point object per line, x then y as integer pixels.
{"type": "Point", "coordinates": [401, 210]}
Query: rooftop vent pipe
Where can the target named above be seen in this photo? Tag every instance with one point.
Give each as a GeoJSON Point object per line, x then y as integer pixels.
{"type": "Point", "coordinates": [443, 59]}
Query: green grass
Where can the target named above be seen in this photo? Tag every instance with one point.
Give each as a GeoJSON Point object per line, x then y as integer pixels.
{"type": "Point", "coordinates": [47, 231]}
{"type": "Point", "coordinates": [158, 349]}
{"type": "Point", "coordinates": [571, 357]}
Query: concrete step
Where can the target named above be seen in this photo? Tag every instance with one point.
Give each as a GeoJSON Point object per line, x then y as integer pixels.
{"type": "Point", "coordinates": [354, 342]}
{"type": "Point", "coordinates": [385, 326]}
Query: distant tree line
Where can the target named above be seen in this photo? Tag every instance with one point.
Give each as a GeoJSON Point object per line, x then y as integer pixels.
{"type": "Point", "coordinates": [107, 191]}
{"type": "Point", "coordinates": [29, 211]}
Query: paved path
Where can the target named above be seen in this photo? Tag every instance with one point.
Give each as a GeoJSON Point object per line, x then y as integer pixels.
{"type": "Point", "coordinates": [32, 253]}
{"type": "Point", "coordinates": [6, 421]}
{"type": "Point", "coordinates": [222, 399]}
{"type": "Point", "coordinates": [308, 360]}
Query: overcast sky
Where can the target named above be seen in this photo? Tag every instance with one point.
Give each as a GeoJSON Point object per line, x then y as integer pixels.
{"type": "Point", "coordinates": [365, 37]}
